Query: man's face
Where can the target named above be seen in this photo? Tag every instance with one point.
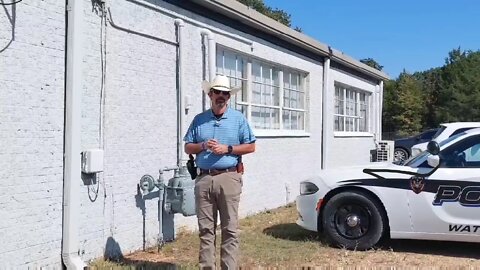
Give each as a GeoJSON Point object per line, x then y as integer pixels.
{"type": "Point", "coordinates": [219, 98]}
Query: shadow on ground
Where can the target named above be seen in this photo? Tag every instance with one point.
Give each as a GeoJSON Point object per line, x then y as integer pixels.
{"type": "Point", "coordinates": [443, 248]}
{"type": "Point", "coordinates": [293, 232]}
{"type": "Point", "coordinates": [138, 264]}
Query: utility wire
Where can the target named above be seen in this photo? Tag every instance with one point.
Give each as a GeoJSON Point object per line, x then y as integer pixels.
{"type": "Point", "coordinates": [9, 4]}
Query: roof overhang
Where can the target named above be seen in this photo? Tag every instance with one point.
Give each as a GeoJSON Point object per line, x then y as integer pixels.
{"type": "Point", "coordinates": [250, 17]}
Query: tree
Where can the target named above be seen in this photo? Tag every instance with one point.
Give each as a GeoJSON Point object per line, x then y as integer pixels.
{"type": "Point", "coordinates": [459, 89]}
{"type": "Point", "coordinates": [447, 94]}
{"type": "Point", "coordinates": [276, 14]}
{"type": "Point", "coordinates": [409, 107]}
{"type": "Point", "coordinates": [372, 63]}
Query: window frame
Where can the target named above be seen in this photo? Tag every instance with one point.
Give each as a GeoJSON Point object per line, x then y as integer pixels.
{"type": "Point", "coordinates": [279, 128]}
{"type": "Point", "coordinates": [345, 111]}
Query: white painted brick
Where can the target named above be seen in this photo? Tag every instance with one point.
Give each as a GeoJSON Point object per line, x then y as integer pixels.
{"type": "Point", "coordinates": [139, 128]}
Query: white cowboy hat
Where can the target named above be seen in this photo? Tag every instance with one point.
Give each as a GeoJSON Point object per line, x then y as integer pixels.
{"type": "Point", "coordinates": [220, 82]}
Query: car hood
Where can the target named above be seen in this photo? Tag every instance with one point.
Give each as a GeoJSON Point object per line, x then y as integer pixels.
{"type": "Point", "coordinates": [421, 146]}
{"type": "Point", "coordinates": [332, 177]}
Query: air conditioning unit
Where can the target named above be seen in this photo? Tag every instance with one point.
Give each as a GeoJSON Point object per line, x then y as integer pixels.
{"type": "Point", "coordinates": [385, 151]}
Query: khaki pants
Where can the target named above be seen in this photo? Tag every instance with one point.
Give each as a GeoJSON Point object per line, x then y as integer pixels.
{"type": "Point", "coordinates": [219, 193]}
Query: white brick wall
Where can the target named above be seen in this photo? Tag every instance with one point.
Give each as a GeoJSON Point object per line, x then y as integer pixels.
{"type": "Point", "coordinates": [31, 132]}
{"type": "Point", "coordinates": [139, 128]}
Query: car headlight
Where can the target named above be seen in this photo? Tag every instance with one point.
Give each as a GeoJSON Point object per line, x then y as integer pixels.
{"type": "Point", "coordinates": [416, 151]}
{"type": "Point", "coordinates": [307, 188]}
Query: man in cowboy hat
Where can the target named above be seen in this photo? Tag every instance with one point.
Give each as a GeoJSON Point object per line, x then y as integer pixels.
{"type": "Point", "coordinates": [218, 137]}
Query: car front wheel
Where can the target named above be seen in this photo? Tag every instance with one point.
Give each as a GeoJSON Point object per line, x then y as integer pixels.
{"type": "Point", "coordinates": [353, 220]}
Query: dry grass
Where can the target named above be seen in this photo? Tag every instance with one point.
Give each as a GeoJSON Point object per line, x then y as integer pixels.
{"type": "Point", "coordinates": [273, 240]}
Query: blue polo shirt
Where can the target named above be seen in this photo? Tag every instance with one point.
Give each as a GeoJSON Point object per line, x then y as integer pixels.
{"type": "Point", "coordinates": [231, 129]}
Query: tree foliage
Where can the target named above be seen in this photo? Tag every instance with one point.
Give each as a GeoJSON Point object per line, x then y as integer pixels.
{"type": "Point", "coordinates": [372, 63]}
{"type": "Point", "coordinates": [425, 99]}
{"type": "Point", "coordinates": [277, 14]}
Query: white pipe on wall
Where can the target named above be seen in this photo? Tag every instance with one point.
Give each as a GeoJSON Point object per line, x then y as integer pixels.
{"type": "Point", "coordinates": [211, 52]}
{"type": "Point", "coordinates": [72, 173]}
{"type": "Point", "coordinates": [325, 102]}
{"type": "Point", "coordinates": [211, 62]}
{"type": "Point", "coordinates": [380, 109]}
{"type": "Point", "coordinates": [180, 94]}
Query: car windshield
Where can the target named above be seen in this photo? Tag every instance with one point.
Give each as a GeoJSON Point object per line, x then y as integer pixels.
{"type": "Point", "coordinates": [413, 161]}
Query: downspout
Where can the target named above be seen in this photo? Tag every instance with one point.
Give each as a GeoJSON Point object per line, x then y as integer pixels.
{"type": "Point", "coordinates": [325, 101]}
{"type": "Point", "coordinates": [180, 95]}
{"type": "Point", "coordinates": [211, 59]}
{"type": "Point", "coordinates": [72, 174]}
{"type": "Point", "coordinates": [380, 109]}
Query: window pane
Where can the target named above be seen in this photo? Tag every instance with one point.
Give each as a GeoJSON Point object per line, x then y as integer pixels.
{"type": "Point", "coordinates": [220, 63]}
{"type": "Point", "coordinates": [256, 72]}
{"type": "Point", "coordinates": [286, 121]}
{"type": "Point", "coordinates": [240, 95]}
{"type": "Point", "coordinates": [276, 96]}
{"type": "Point", "coordinates": [256, 93]}
{"type": "Point", "coordinates": [286, 98]}
{"type": "Point", "coordinates": [265, 118]}
{"type": "Point", "coordinates": [293, 120]}
{"type": "Point", "coordinates": [286, 80]}
{"type": "Point", "coordinates": [339, 123]}
{"type": "Point", "coordinates": [295, 81]}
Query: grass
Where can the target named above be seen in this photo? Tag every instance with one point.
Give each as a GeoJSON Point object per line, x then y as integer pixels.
{"type": "Point", "coordinates": [272, 240]}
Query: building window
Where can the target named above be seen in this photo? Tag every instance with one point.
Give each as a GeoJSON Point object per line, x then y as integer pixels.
{"type": "Point", "coordinates": [234, 67]}
{"type": "Point", "coordinates": [351, 109]}
{"type": "Point", "coordinates": [294, 96]}
{"type": "Point", "coordinates": [265, 96]}
{"type": "Point", "coordinates": [273, 97]}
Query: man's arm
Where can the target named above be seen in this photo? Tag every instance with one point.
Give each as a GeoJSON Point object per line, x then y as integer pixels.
{"type": "Point", "coordinates": [194, 148]}
{"type": "Point", "coordinates": [241, 149]}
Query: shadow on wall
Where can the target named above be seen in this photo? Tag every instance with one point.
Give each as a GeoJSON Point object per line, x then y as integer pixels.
{"type": "Point", "coordinates": [11, 14]}
{"type": "Point", "coordinates": [113, 252]}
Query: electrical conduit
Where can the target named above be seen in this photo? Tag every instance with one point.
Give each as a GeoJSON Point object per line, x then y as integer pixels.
{"type": "Point", "coordinates": [180, 95]}
{"type": "Point", "coordinates": [72, 173]}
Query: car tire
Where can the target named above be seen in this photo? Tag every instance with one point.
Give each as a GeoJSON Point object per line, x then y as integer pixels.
{"type": "Point", "coordinates": [400, 154]}
{"type": "Point", "coordinates": [353, 220]}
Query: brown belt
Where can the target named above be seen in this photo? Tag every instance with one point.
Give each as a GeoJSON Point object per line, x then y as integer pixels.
{"type": "Point", "coordinates": [213, 172]}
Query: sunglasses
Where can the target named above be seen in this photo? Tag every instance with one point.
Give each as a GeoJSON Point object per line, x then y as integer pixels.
{"type": "Point", "coordinates": [218, 92]}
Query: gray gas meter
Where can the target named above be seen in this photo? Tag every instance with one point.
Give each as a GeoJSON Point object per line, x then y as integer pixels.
{"type": "Point", "coordinates": [180, 195]}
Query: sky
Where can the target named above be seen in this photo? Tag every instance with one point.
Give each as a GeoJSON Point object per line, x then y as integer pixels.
{"type": "Point", "coordinates": [410, 35]}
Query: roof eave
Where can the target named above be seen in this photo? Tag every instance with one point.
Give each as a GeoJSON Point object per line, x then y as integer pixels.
{"type": "Point", "coordinates": [252, 18]}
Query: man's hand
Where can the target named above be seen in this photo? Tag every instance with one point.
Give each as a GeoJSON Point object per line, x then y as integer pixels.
{"type": "Point", "coordinates": [217, 148]}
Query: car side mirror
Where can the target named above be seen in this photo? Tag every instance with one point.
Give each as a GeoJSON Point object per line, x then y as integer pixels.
{"type": "Point", "coordinates": [433, 161]}
{"type": "Point", "coordinates": [433, 148]}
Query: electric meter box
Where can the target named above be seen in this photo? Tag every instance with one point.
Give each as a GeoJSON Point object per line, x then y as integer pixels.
{"type": "Point", "coordinates": [92, 161]}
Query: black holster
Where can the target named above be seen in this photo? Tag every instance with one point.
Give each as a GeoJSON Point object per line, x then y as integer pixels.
{"type": "Point", "coordinates": [192, 169]}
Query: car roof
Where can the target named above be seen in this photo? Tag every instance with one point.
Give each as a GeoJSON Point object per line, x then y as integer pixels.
{"type": "Point", "coordinates": [473, 130]}
{"type": "Point", "coordinates": [461, 124]}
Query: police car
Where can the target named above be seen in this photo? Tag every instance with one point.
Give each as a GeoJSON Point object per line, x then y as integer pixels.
{"type": "Point", "coordinates": [432, 196]}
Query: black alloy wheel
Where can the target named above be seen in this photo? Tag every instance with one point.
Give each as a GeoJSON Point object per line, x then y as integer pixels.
{"type": "Point", "coordinates": [353, 220]}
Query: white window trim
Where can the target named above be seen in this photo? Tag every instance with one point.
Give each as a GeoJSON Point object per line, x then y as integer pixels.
{"type": "Point", "coordinates": [352, 134]}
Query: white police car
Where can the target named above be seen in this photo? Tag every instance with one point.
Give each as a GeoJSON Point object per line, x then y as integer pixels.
{"type": "Point", "coordinates": [434, 196]}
